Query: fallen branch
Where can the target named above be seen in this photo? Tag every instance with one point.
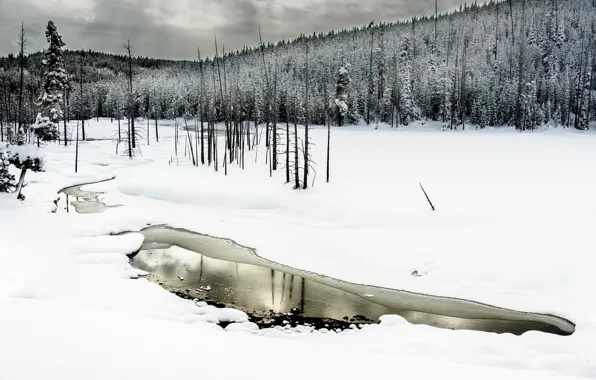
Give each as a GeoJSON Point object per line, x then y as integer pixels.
{"type": "Point", "coordinates": [427, 198]}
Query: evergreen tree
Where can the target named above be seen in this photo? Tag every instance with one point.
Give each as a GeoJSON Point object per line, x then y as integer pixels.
{"type": "Point", "coordinates": [341, 95]}
{"type": "Point", "coordinates": [54, 83]}
{"type": "Point", "coordinates": [7, 180]}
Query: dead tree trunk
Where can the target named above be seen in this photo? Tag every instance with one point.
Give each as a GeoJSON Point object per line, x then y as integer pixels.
{"type": "Point", "coordinates": [22, 42]}
{"type": "Point", "coordinates": [65, 114]}
{"type": "Point", "coordinates": [462, 101]}
{"type": "Point", "coordinates": [370, 78]}
{"type": "Point", "coordinates": [306, 117]}
{"type": "Point", "coordinates": [287, 138]}
{"type": "Point", "coordinates": [131, 110]}
{"type": "Point", "coordinates": [274, 110]}
{"type": "Point", "coordinates": [268, 90]}
{"type": "Point", "coordinates": [223, 102]}
{"type": "Point", "coordinates": [296, 159]}
{"type": "Point", "coordinates": [520, 76]}
{"type": "Point", "coordinates": [202, 107]}
{"type": "Point", "coordinates": [512, 28]}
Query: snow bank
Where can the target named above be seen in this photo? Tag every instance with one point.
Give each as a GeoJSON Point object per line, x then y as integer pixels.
{"type": "Point", "coordinates": [74, 343]}
{"type": "Point", "coordinates": [512, 228]}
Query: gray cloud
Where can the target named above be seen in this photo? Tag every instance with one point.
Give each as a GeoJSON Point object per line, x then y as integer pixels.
{"type": "Point", "coordinates": [173, 28]}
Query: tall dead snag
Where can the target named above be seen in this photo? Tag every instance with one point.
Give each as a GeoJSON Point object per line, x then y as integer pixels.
{"type": "Point", "coordinates": [22, 42]}
{"type": "Point", "coordinates": [189, 139]}
{"type": "Point", "coordinates": [148, 118]}
{"type": "Point", "coordinates": [213, 120]}
{"type": "Point", "coordinates": [519, 111]}
{"type": "Point", "coordinates": [202, 107]}
{"type": "Point", "coordinates": [66, 95]}
{"type": "Point", "coordinates": [436, 20]}
{"type": "Point", "coordinates": [370, 74]}
{"type": "Point", "coordinates": [81, 116]}
{"type": "Point", "coordinates": [156, 116]}
{"type": "Point", "coordinates": [287, 138]}
{"type": "Point", "coordinates": [328, 142]}
{"type": "Point", "coordinates": [306, 117]}
{"type": "Point", "coordinates": [296, 157]}
{"type": "Point", "coordinates": [81, 103]}
{"type": "Point", "coordinates": [462, 92]}
{"type": "Point", "coordinates": [496, 48]}
{"type": "Point", "coordinates": [128, 49]}
{"type": "Point", "coordinates": [223, 103]}
{"type": "Point", "coordinates": [512, 27]}
{"type": "Point", "coordinates": [267, 90]}
{"type": "Point", "coordinates": [274, 158]}
{"type": "Point", "coordinates": [227, 111]}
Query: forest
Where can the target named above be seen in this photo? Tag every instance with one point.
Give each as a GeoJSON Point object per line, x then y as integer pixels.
{"type": "Point", "coordinates": [525, 63]}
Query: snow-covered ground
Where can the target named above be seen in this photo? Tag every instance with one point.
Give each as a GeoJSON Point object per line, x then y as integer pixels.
{"type": "Point", "coordinates": [513, 228]}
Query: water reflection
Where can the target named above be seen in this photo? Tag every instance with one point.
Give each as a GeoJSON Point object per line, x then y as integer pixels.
{"type": "Point", "coordinates": [324, 297]}
{"type": "Point", "coordinates": [252, 288]}
{"type": "Point", "coordinates": [85, 202]}
{"type": "Point", "coordinates": [233, 274]}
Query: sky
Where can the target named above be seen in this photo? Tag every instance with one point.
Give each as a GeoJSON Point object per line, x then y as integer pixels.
{"type": "Point", "coordinates": [173, 29]}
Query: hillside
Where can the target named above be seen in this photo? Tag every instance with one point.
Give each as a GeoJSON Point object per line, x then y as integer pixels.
{"type": "Point", "coordinates": [525, 63]}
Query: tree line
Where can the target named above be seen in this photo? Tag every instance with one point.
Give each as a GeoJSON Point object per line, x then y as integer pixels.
{"type": "Point", "coordinates": [525, 63]}
{"type": "Point", "coordinates": [518, 62]}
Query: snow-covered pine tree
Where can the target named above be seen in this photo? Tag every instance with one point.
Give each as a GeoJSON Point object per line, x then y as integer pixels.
{"type": "Point", "coordinates": [55, 81]}
{"type": "Point", "coordinates": [26, 156]}
{"type": "Point", "coordinates": [406, 107]}
{"type": "Point", "coordinates": [341, 94]}
{"type": "Point", "coordinates": [7, 180]}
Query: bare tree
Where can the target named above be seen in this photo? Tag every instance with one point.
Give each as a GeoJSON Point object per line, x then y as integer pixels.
{"type": "Point", "coordinates": [296, 159]}
{"type": "Point", "coordinates": [81, 111]}
{"type": "Point", "coordinates": [274, 151]}
{"type": "Point", "coordinates": [22, 42]}
{"type": "Point", "coordinates": [128, 48]}
{"type": "Point", "coordinates": [287, 138]}
{"type": "Point", "coordinates": [267, 90]}
{"type": "Point", "coordinates": [436, 20]}
{"type": "Point", "coordinates": [462, 101]}
{"type": "Point", "coordinates": [306, 116]}
{"type": "Point", "coordinates": [223, 102]}
{"type": "Point", "coordinates": [202, 106]}
{"type": "Point", "coordinates": [370, 74]}
{"type": "Point", "coordinates": [520, 72]}
{"type": "Point", "coordinates": [496, 31]}
{"type": "Point", "coordinates": [512, 28]}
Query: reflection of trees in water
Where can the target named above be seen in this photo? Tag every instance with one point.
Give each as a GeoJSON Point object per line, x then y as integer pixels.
{"type": "Point", "coordinates": [302, 294]}
{"type": "Point", "coordinates": [283, 287]}
{"type": "Point", "coordinates": [273, 288]}
{"type": "Point", "coordinates": [258, 289]}
{"type": "Point", "coordinates": [201, 269]}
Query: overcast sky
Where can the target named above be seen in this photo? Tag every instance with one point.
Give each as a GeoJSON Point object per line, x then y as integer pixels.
{"type": "Point", "coordinates": [174, 28]}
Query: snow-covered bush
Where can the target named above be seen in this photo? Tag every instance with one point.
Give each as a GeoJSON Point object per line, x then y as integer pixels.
{"type": "Point", "coordinates": [7, 180]}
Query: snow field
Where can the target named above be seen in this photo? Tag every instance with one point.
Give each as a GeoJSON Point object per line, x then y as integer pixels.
{"type": "Point", "coordinates": [512, 229]}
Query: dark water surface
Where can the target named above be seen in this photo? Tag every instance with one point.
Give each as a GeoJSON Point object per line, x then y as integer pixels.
{"type": "Point", "coordinates": [225, 273]}
{"type": "Point", "coordinates": [210, 268]}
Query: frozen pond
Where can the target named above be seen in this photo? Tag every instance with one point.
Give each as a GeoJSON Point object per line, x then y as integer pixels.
{"type": "Point", "coordinates": [85, 202]}
{"type": "Point", "coordinates": [238, 277]}
{"type": "Point", "coordinates": [219, 270]}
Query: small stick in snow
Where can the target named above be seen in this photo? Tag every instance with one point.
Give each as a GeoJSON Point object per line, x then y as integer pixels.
{"type": "Point", "coordinates": [427, 198]}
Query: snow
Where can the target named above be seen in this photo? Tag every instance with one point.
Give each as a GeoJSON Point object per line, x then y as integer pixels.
{"type": "Point", "coordinates": [392, 320]}
{"type": "Point", "coordinates": [23, 152]}
{"type": "Point", "coordinates": [512, 229]}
